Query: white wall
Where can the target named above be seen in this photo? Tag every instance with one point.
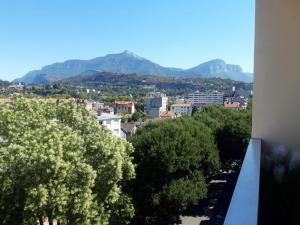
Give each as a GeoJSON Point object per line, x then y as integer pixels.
{"type": "Point", "coordinates": [276, 105]}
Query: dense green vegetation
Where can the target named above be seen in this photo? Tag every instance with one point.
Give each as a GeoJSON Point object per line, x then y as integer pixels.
{"type": "Point", "coordinates": [176, 157]}
{"type": "Point", "coordinates": [58, 164]}
{"type": "Point", "coordinates": [231, 129]}
{"type": "Point", "coordinates": [173, 158]}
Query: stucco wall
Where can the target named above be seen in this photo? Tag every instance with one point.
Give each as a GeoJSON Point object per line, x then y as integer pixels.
{"type": "Point", "coordinates": [276, 106]}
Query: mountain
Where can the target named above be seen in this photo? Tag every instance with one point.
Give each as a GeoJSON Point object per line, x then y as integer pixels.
{"type": "Point", "coordinates": [128, 62]}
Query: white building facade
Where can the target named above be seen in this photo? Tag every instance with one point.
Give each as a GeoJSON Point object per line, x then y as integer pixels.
{"type": "Point", "coordinates": [112, 122]}
{"type": "Point", "coordinates": [206, 98]}
{"type": "Point", "coordinates": [182, 109]}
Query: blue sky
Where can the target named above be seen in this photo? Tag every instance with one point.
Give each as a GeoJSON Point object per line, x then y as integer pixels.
{"type": "Point", "coordinates": [177, 33]}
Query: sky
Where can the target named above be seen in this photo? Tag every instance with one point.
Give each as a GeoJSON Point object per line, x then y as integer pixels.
{"type": "Point", "coordinates": [174, 33]}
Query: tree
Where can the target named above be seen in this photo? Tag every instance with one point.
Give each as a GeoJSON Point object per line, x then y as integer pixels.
{"type": "Point", "coordinates": [231, 128]}
{"type": "Point", "coordinates": [136, 116]}
{"type": "Point", "coordinates": [173, 159]}
{"type": "Point", "coordinates": [57, 163]}
{"type": "Point", "coordinates": [194, 110]}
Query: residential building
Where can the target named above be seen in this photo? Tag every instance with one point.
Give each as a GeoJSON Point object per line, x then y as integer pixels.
{"type": "Point", "coordinates": [206, 98]}
{"type": "Point", "coordinates": [126, 107]}
{"type": "Point", "coordinates": [156, 104]}
{"type": "Point", "coordinates": [112, 122]}
{"type": "Point", "coordinates": [182, 108]}
{"type": "Point", "coordinates": [233, 105]}
{"type": "Point", "coordinates": [16, 86]}
{"type": "Point", "coordinates": [129, 129]}
{"type": "Point", "coordinates": [168, 115]}
{"type": "Point", "coordinates": [105, 109]}
{"type": "Point", "coordinates": [180, 99]}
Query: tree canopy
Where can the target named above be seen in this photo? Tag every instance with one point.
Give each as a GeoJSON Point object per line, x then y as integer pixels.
{"type": "Point", "coordinates": [231, 128]}
{"type": "Point", "coordinates": [173, 160]}
{"type": "Point", "coordinates": [58, 164]}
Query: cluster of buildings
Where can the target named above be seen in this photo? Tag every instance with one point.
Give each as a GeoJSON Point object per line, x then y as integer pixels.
{"type": "Point", "coordinates": [157, 102]}
{"type": "Point", "coordinates": [111, 116]}
{"type": "Point", "coordinates": [237, 99]}
{"type": "Point", "coordinates": [156, 107]}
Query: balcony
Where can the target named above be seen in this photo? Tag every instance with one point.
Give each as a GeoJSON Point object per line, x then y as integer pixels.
{"type": "Point", "coordinates": [243, 209]}
{"type": "Point", "coordinates": [260, 197]}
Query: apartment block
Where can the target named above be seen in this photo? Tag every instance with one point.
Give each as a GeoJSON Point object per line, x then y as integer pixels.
{"type": "Point", "coordinates": [206, 98]}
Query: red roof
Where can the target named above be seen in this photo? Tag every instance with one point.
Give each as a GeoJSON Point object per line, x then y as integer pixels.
{"type": "Point", "coordinates": [167, 114]}
{"type": "Point", "coordinates": [128, 103]}
{"type": "Point", "coordinates": [6, 100]}
{"type": "Point", "coordinates": [232, 104]}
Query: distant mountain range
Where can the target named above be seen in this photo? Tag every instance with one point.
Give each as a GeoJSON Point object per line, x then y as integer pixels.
{"type": "Point", "coordinates": [128, 62]}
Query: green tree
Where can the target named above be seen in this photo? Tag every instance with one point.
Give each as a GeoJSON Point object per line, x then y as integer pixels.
{"type": "Point", "coordinates": [173, 159]}
{"type": "Point", "coordinates": [231, 128]}
{"type": "Point", "coordinates": [136, 116]}
{"type": "Point", "coordinates": [57, 163]}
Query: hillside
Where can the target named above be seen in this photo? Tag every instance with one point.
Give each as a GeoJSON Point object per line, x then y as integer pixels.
{"type": "Point", "coordinates": [95, 78]}
{"type": "Point", "coordinates": [128, 62]}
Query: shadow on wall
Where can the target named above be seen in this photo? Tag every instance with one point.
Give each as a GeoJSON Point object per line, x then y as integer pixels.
{"type": "Point", "coordinates": [280, 187]}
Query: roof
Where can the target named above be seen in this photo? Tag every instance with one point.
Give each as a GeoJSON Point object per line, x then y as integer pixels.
{"type": "Point", "coordinates": [182, 105]}
{"type": "Point", "coordinates": [128, 127]}
{"type": "Point", "coordinates": [128, 103]}
{"type": "Point", "coordinates": [167, 114]}
{"type": "Point", "coordinates": [6, 100]}
{"type": "Point", "coordinates": [107, 116]}
{"type": "Point", "coordinates": [232, 104]}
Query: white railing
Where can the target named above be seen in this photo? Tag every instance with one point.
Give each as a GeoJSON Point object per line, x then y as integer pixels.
{"type": "Point", "coordinates": [243, 208]}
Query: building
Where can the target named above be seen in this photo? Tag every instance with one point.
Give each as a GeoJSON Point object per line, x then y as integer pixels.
{"type": "Point", "coordinates": [126, 107]}
{"type": "Point", "coordinates": [180, 99]}
{"type": "Point", "coordinates": [182, 109]}
{"type": "Point", "coordinates": [167, 115]}
{"type": "Point", "coordinates": [105, 109]}
{"type": "Point", "coordinates": [206, 98]}
{"type": "Point", "coordinates": [16, 87]}
{"type": "Point", "coordinates": [156, 104]}
{"type": "Point", "coordinates": [112, 122]}
{"type": "Point", "coordinates": [129, 129]}
{"type": "Point", "coordinates": [233, 105]}
{"type": "Point", "coordinates": [275, 121]}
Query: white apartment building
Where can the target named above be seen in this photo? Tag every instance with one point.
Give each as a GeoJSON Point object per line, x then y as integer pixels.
{"type": "Point", "coordinates": [180, 99]}
{"type": "Point", "coordinates": [112, 122]}
{"type": "Point", "coordinates": [156, 104]}
{"type": "Point", "coordinates": [206, 98]}
{"type": "Point", "coordinates": [182, 108]}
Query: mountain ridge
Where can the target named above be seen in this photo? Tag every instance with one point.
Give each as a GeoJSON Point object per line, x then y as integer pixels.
{"type": "Point", "coordinates": [129, 62]}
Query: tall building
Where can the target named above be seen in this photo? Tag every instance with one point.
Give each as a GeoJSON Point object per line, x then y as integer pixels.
{"type": "Point", "coordinates": [206, 98]}
{"type": "Point", "coordinates": [156, 104]}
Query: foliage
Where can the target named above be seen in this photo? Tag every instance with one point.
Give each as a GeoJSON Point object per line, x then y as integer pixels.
{"type": "Point", "coordinates": [173, 159]}
{"type": "Point", "coordinates": [57, 163]}
{"type": "Point", "coordinates": [232, 129]}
